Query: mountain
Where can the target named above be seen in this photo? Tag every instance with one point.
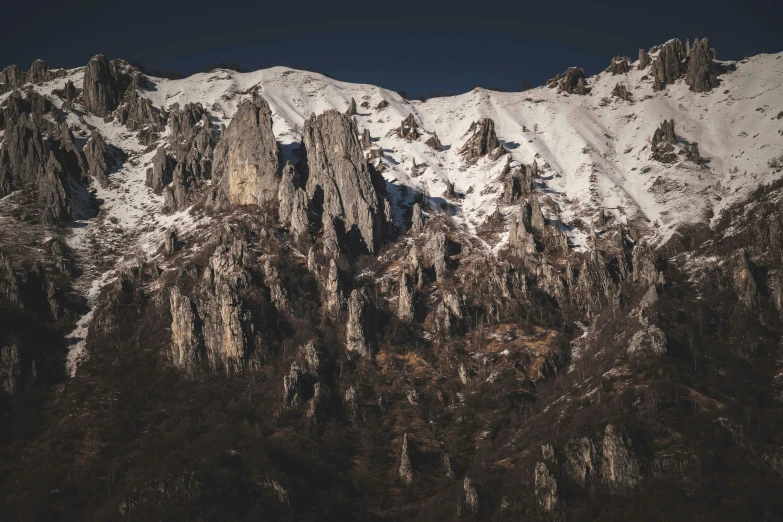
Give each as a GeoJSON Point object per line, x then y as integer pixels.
{"type": "Point", "coordinates": [277, 295]}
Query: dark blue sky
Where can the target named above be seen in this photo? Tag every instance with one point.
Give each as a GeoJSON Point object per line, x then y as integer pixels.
{"type": "Point", "coordinates": [417, 46]}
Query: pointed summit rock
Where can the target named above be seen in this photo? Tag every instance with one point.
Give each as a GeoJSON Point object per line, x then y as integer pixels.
{"type": "Point", "coordinates": [248, 158]}
{"type": "Point", "coordinates": [340, 180]}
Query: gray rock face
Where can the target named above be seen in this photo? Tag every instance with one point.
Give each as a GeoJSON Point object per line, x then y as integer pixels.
{"type": "Point", "coordinates": [292, 202]}
{"type": "Point", "coordinates": [352, 108]}
{"type": "Point", "coordinates": [216, 322]}
{"type": "Point", "coordinates": [54, 193]}
{"type": "Point", "coordinates": [621, 92]}
{"type": "Point", "coordinates": [170, 241]}
{"type": "Point", "coordinates": [581, 462]}
{"type": "Point", "coordinates": [356, 338]}
{"type": "Point", "coordinates": [247, 157]}
{"type": "Point", "coordinates": [303, 382]}
{"type": "Point", "coordinates": [9, 288]}
{"type": "Point", "coordinates": [520, 238]}
{"type": "Point", "coordinates": [435, 253]}
{"type": "Point", "coordinates": [434, 142]}
{"type": "Point", "coordinates": [572, 81]}
{"type": "Point", "coordinates": [692, 153]}
{"type": "Point", "coordinates": [650, 341]}
{"type": "Point", "coordinates": [23, 155]}
{"type": "Point", "coordinates": [743, 281]}
{"type": "Point", "coordinates": [417, 219]}
{"type": "Point", "coordinates": [191, 143]}
{"type": "Point", "coordinates": [644, 271]}
{"type": "Point", "coordinates": [545, 485]}
{"type": "Point", "coordinates": [14, 78]}
{"type": "Point", "coordinates": [137, 112]}
{"type": "Point", "coordinates": [471, 497]}
{"type": "Point", "coordinates": [366, 139]}
{"type": "Point", "coordinates": [644, 59]}
{"type": "Point", "coordinates": [161, 172]}
{"type": "Point", "coordinates": [663, 142]}
{"type": "Point", "coordinates": [620, 65]}
{"type": "Point", "coordinates": [10, 368]}
{"type": "Point", "coordinates": [406, 470]}
{"type": "Point", "coordinates": [409, 129]}
{"type": "Point", "coordinates": [340, 181]}
{"type": "Point", "coordinates": [519, 182]}
{"type": "Point", "coordinates": [667, 66]}
{"type": "Point", "coordinates": [68, 154]}
{"type": "Point", "coordinates": [482, 141]}
{"type": "Point", "coordinates": [405, 300]}
{"type": "Point", "coordinates": [186, 337]}
{"type": "Point", "coordinates": [99, 159]}
{"type": "Point", "coordinates": [334, 296]}
{"type": "Point", "coordinates": [620, 468]}
{"type": "Point", "coordinates": [104, 84]}
{"type": "Point", "coordinates": [700, 75]}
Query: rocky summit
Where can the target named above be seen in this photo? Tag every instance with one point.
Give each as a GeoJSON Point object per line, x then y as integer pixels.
{"type": "Point", "coordinates": [274, 295]}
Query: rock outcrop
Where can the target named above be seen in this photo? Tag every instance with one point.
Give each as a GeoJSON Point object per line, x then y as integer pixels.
{"type": "Point", "coordinates": [54, 195]}
{"type": "Point", "coordinates": [572, 81]}
{"type": "Point", "coordinates": [216, 321]}
{"type": "Point", "coordinates": [352, 108]}
{"type": "Point", "coordinates": [292, 202]}
{"type": "Point", "coordinates": [105, 83]}
{"type": "Point", "coordinates": [248, 158]}
{"type": "Point", "coordinates": [405, 300]}
{"type": "Point", "coordinates": [23, 155]}
{"type": "Point", "coordinates": [186, 336]}
{"type": "Point", "coordinates": [644, 59]}
{"type": "Point", "coordinates": [545, 485]}
{"type": "Point", "coordinates": [621, 92]}
{"type": "Point", "coordinates": [663, 142]}
{"type": "Point", "coordinates": [482, 141]}
{"type": "Point", "coordinates": [700, 75]}
{"type": "Point", "coordinates": [409, 129]}
{"type": "Point", "coordinates": [161, 172]}
{"type": "Point", "coordinates": [620, 467]}
{"type": "Point", "coordinates": [406, 470]}
{"type": "Point", "coordinates": [434, 142]}
{"type": "Point", "coordinates": [620, 65]}
{"type": "Point", "coordinates": [471, 500]}
{"type": "Point", "coordinates": [340, 182]}
{"type": "Point", "coordinates": [667, 66]}
{"type": "Point", "coordinates": [99, 159]}
{"type": "Point", "coordinates": [14, 78]}
{"type": "Point", "coordinates": [417, 219]}
{"type": "Point", "coordinates": [355, 335]}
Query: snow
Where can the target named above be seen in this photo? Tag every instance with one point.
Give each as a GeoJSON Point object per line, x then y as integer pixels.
{"type": "Point", "coordinates": [592, 154]}
{"type": "Point", "coordinates": [596, 152]}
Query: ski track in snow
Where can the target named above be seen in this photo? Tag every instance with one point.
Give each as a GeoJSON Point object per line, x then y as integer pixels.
{"type": "Point", "coordinates": [592, 153]}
